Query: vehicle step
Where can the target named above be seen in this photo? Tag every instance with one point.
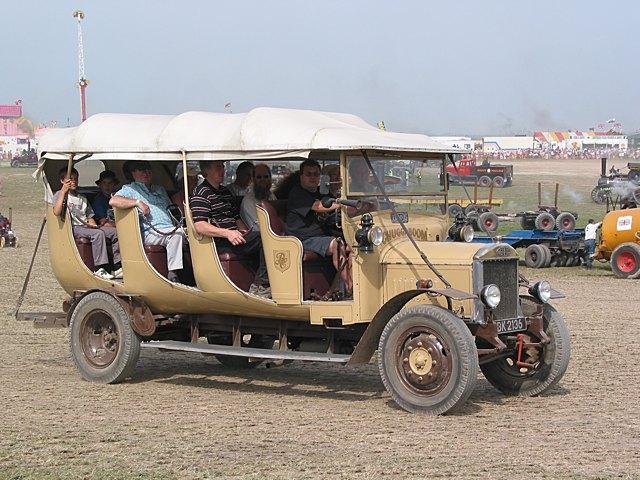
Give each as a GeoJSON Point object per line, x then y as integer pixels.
{"type": "Point", "coordinates": [247, 351]}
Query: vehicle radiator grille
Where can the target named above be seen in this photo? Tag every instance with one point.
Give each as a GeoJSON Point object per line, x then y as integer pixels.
{"type": "Point", "coordinates": [504, 274]}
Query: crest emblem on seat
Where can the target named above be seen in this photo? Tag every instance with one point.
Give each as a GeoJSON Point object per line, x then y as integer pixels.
{"type": "Point", "coordinates": [282, 260]}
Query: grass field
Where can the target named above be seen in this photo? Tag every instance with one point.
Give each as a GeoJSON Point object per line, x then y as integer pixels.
{"type": "Point", "coordinates": [187, 416]}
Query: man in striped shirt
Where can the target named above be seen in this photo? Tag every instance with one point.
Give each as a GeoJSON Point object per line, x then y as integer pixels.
{"type": "Point", "coordinates": [216, 215]}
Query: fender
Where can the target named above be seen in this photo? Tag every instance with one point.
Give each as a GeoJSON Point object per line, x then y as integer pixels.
{"type": "Point", "coordinates": [369, 341]}
{"type": "Point", "coordinates": [142, 320]}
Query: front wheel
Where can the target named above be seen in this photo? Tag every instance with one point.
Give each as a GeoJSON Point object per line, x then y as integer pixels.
{"type": "Point", "coordinates": [104, 346]}
{"type": "Point", "coordinates": [427, 359]}
{"type": "Point", "coordinates": [550, 361]}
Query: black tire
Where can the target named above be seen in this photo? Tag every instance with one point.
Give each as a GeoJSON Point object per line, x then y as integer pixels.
{"type": "Point", "coordinates": [15, 163]}
{"type": "Point", "coordinates": [504, 375]}
{"type": "Point", "coordinates": [498, 182]}
{"type": "Point", "coordinates": [488, 221]}
{"type": "Point", "coordinates": [243, 363]}
{"type": "Point", "coordinates": [545, 221]}
{"type": "Point", "coordinates": [625, 260]}
{"type": "Point", "coordinates": [484, 181]}
{"type": "Point", "coordinates": [634, 176]}
{"type": "Point", "coordinates": [471, 208]}
{"type": "Point", "coordinates": [547, 256]}
{"type": "Point", "coordinates": [111, 355]}
{"type": "Point", "coordinates": [566, 222]}
{"type": "Point", "coordinates": [454, 210]}
{"type": "Point", "coordinates": [535, 256]}
{"type": "Point", "coordinates": [452, 348]}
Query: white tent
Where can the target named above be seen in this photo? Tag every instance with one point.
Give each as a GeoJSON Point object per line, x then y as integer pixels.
{"type": "Point", "coordinates": [261, 133]}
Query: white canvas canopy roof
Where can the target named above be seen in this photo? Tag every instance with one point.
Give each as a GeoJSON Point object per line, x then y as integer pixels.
{"type": "Point", "coordinates": [260, 133]}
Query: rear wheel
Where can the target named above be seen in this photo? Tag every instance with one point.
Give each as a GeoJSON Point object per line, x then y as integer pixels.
{"type": "Point", "coordinates": [545, 221]}
{"type": "Point", "coordinates": [634, 176]}
{"type": "Point", "coordinates": [428, 360]}
{"type": "Point", "coordinates": [566, 222]}
{"type": "Point", "coordinates": [471, 208]}
{"type": "Point", "coordinates": [498, 182]}
{"type": "Point", "coordinates": [15, 163]}
{"type": "Point", "coordinates": [547, 255]}
{"type": "Point", "coordinates": [625, 260]}
{"type": "Point", "coordinates": [104, 346]}
{"type": "Point", "coordinates": [549, 361]}
{"type": "Point", "coordinates": [599, 195]}
{"type": "Point", "coordinates": [484, 181]}
{"type": "Point", "coordinates": [535, 256]}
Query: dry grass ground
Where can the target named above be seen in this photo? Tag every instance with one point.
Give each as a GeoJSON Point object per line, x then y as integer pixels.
{"type": "Point", "coordinates": [185, 416]}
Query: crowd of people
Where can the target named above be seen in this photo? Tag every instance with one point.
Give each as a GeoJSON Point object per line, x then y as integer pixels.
{"type": "Point", "coordinates": [228, 214]}
{"type": "Point", "coordinates": [555, 154]}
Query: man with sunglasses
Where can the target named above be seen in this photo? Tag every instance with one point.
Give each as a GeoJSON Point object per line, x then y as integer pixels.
{"type": "Point", "coordinates": [152, 201]}
{"type": "Point", "coordinates": [303, 206]}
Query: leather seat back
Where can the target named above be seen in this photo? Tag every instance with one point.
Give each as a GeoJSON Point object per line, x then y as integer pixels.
{"type": "Point", "coordinates": [277, 225]}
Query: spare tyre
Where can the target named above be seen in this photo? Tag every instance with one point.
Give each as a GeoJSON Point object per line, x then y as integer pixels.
{"type": "Point", "coordinates": [535, 256]}
{"type": "Point", "coordinates": [566, 222]}
{"type": "Point", "coordinates": [625, 260]}
{"type": "Point", "coordinates": [545, 221]}
{"type": "Point", "coordinates": [488, 221]}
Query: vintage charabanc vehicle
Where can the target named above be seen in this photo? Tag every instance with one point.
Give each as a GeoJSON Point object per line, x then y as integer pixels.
{"type": "Point", "coordinates": [436, 310]}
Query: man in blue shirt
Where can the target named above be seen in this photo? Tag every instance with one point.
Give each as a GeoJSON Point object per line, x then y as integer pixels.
{"type": "Point", "coordinates": [152, 201]}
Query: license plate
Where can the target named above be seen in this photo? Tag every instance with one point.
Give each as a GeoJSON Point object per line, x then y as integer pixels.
{"type": "Point", "coordinates": [510, 325]}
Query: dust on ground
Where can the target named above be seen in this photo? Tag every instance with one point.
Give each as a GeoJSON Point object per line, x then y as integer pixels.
{"type": "Point", "coordinates": [185, 415]}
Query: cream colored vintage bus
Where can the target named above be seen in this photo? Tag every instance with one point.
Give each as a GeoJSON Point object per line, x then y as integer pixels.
{"type": "Point", "coordinates": [435, 306]}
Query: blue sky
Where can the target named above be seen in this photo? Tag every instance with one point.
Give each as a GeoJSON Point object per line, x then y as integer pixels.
{"type": "Point", "coordinates": [467, 67]}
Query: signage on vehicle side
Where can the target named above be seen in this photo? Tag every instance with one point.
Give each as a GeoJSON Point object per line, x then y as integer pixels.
{"type": "Point", "coordinates": [624, 223]}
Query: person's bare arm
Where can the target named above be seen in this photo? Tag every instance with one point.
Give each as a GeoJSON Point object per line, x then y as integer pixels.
{"type": "Point", "coordinates": [57, 207]}
{"type": "Point", "coordinates": [205, 228]}
{"type": "Point", "coordinates": [91, 221]}
{"type": "Point", "coordinates": [317, 207]}
{"type": "Point", "coordinates": [125, 202]}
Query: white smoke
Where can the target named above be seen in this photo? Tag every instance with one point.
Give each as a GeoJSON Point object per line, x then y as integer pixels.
{"type": "Point", "coordinates": [624, 189]}
{"type": "Point", "coordinates": [573, 195]}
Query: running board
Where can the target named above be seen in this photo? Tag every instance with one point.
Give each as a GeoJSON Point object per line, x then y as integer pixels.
{"type": "Point", "coordinates": [247, 351]}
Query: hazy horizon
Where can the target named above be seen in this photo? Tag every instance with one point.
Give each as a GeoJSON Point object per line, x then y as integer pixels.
{"type": "Point", "coordinates": [464, 68]}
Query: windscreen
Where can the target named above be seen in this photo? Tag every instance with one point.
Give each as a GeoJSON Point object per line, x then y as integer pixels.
{"type": "Point", "coordinates": [400, 176]}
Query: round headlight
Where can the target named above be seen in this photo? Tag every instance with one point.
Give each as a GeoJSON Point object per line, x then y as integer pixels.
{"type": "Point", "coordinates": [466, 233]}
{"type": "Point", "coordinates": [490, 295]}
{"type": "Point", "coordinates": [541, 290]}
{"type": "Point", "coordinates": [376, 236]}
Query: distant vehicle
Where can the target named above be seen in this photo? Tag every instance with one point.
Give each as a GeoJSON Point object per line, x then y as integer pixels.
{"type": "Point", "coordinates": [616, 186]}
{"type": "Point", "coordinates": [27, 158]}
{"type": "Point", "coordinates": [484, 175]}
{"type": "Point", "coordinates": [620, 242]}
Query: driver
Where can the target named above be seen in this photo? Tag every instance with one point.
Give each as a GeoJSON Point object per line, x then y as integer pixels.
{"type": "Point", "coordinates": [303, 208]}
{"type": "Point", "coordinates": [157, 226]}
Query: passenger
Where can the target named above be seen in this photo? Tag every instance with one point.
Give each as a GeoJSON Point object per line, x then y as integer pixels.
{"type": "Point", "coordinates": [335, 183]}
{"type": "Point", "coordinates": [193, 170]}
{"type": "Point", "coordinates": [360, 178]}
{"type": "Point", "coordinates": [216, 215]}
{"type": "Point", "coordinates": [157, 226]}
{"type": "Point", "coordinates": [303, 208]}
{"type": "Point", "coordinates": [261, 190]}
{"type": "Point", "coordinates": [242, 184]}
{"type": "Point", "coordinates": [107, 183]}
{"type": "Point", "coordinates": [84, 224]}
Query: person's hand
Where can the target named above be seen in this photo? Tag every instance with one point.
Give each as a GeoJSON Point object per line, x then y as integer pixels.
{"type": "Point", "coordinates": [144, 208]}
{"type": "Point", "coordinates": [235, 237]}
{"type": "Point", "coordinates": [66, 185]}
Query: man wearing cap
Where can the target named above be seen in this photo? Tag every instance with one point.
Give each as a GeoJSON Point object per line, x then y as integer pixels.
{"type": "Point", "coordinates": [152, 201]}
{"type": "Point", "coordinates": [100, 204]}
